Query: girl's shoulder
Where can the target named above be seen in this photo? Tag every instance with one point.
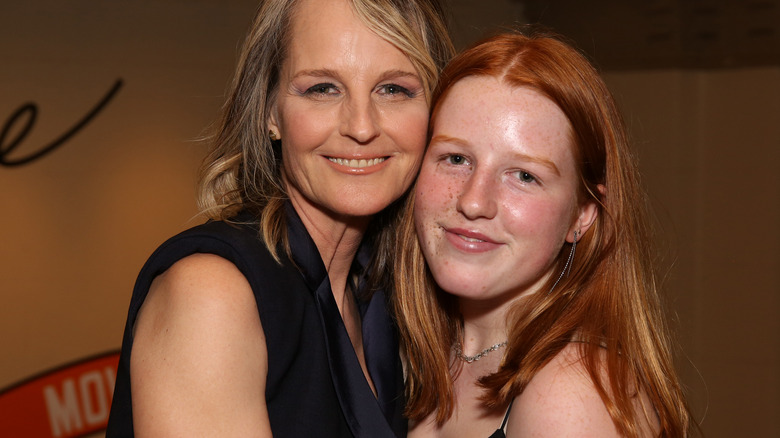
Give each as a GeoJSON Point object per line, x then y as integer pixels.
{"type": "Point", "coordinates": [562, 400]}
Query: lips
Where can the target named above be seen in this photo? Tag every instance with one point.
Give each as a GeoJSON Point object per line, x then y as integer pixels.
{"type": "Point", "coordinates": [469, 240]}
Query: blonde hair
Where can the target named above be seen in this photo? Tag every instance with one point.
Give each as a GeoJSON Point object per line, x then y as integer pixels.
{"type": "Point", "coordinates": [608, 303]}
{"type": "Point", "coordinates": [242, 170]}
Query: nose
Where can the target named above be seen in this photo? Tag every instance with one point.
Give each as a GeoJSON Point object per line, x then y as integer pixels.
{"type": "Point", "coordinates": [477, 197]}
{"type": "Point", "coordinates": [359, 119]}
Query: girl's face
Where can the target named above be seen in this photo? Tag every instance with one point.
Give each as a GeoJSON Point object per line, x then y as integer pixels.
{"type": "Point", "coordinates": [497, 193]}
{"type": "Point", "coordinates": [351, 112]}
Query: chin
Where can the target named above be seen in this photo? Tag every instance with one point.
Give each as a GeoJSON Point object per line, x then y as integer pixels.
{"type": "Point", "coordinates": [361, 209]}
{"type": "Point", "coordinates": [455, 284]}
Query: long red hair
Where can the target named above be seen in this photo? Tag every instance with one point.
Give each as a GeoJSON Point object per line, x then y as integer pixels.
{"type": "Point", "coordinates": [608, 303]}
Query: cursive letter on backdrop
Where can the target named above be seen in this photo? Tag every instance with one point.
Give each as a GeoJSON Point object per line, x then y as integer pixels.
{"type": "Point", "coordinates": [31, 111]}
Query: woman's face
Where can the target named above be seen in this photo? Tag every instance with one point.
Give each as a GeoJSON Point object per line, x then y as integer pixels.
{"type": "Point", "coordinates": [497, 192]}
{"type": "Point", "coordinates": [351, 112]}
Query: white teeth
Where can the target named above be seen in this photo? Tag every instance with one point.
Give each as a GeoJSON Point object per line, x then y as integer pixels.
{"type": "Point", "coordinates": [470, 239]}
{"type": "Point", "coordinates": [357, 164]}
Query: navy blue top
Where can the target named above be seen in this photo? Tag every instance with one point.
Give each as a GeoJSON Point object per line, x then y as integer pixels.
{"type": "Point", "coordinates": [314, 386]}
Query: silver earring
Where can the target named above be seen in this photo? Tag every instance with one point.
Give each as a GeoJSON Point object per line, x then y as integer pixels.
{"type": "Point", "coordinates": [567, 266]}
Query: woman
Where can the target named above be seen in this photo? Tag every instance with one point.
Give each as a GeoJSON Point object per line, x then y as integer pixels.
{"type": "Point", "coordinates": [544, 318]}
{"type": "Point", "coordinates": [252, 323]}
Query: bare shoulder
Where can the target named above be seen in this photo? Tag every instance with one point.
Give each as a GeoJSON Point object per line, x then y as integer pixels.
{"type": "Point", "coordinates": [199, 360]}
{"type": "Point", "coordinates": [201, 277]}
{"type": "Point", "coordinates": [201, 289]}
{"type": "Point", "coordinates": [562, 401]}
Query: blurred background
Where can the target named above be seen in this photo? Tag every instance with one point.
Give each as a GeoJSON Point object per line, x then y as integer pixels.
{"type": "Point", "coordinates": [102, 104]}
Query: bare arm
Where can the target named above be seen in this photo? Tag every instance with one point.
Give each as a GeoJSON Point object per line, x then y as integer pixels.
{"type": "Point", "coordinates": [562, 401]}
{"type": "Point", "coordinates": [199, 360]}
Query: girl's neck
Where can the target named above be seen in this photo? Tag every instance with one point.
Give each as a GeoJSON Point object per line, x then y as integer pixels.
{"type": "Point", "coordinates": [482, 330]}
{"type": "Point", "coordinates": [485, 321]}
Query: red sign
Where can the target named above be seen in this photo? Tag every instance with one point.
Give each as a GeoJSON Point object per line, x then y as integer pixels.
{"type": "Point", "coordinates": [70, 401]}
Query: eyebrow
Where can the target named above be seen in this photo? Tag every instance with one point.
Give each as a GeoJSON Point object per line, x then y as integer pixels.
{"type": "Point", "coordinates": [318, 73]}
{"type": "Point", "coordinates": [447, 139]}
{"type": "Point", "coordinates": [525, 157]}
{"type": "Point", "coordinates": [542, 161]}
{"type": "Point", "coordinates": [398, 73]}
{"type": "Point", "coordinates": [326, 72]}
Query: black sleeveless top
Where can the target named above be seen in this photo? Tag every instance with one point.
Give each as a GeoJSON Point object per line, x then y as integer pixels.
{"type": "Point", "coordinates": [501, 431]}
{"type": "Point", "coordinates": [315, 386]}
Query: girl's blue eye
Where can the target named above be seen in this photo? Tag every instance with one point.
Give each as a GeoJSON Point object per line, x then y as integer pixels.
{"type": "Point", "coordinates": [525, 177]}
{"type": "Point", "coordinates": [456, 159]}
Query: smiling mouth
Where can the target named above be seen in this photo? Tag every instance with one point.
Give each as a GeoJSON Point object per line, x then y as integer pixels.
{"type": "Point", "coordinates": [357, 164]}
{"type": "Point", "coordinates": [470, 239]}
{"type": "Point", "coordinates": [469, 236]}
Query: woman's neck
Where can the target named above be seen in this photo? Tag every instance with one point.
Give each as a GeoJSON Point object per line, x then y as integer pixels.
{"type": "Point", "coordinates": [337, 240]}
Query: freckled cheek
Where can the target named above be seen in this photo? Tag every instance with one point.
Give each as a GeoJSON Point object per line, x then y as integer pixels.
{"type": "Point", "coordinates": [435, 194]}
{"type": "Point", "coordinates": [425, 214]}
{"type": "Point", "coordinates": [434, 203]}
{"type": "Point", "coordinates": [430, 240]}
{"type": "Point", "coordinates": [421, 214]}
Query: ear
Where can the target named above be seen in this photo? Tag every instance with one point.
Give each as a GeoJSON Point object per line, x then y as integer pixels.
{"type": "Point", "coordinates": [586, 216]}
{"type": "Point", "coordinates": [273, 124]}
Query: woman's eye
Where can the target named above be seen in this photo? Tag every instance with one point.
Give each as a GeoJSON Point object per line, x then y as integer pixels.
{"type": "Point", "coordinates": [394, 89]}
{"type": "Point", "coordinates": [322, 89]}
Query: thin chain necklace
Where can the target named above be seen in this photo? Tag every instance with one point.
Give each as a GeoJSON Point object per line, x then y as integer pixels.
{"type": "Point", "coordinates": [468, 359]}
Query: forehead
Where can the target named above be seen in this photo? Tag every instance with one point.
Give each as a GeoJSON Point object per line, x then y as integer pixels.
{"type": "Point", "coordinates": [328, 33]}
{"type": "Point", "coordinates": [492, 106]}
{"type": "Point", "coordinates": [487, 111]}
{"type": "Point", "coordinates": [322, 21]}
{"type": "Point", "coordinates": [493, 95]}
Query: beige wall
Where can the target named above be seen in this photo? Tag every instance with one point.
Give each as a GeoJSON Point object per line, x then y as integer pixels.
{"type": "Point", "coordinates": [709, 144]}
{"type": "Point", "coordinates": [77, 224]}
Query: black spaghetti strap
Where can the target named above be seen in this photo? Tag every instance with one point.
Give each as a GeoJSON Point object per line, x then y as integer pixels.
{"type": "Point", "coordinates": [500, 433]}
{"type": "Point", "coordinates": [506, 416]}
